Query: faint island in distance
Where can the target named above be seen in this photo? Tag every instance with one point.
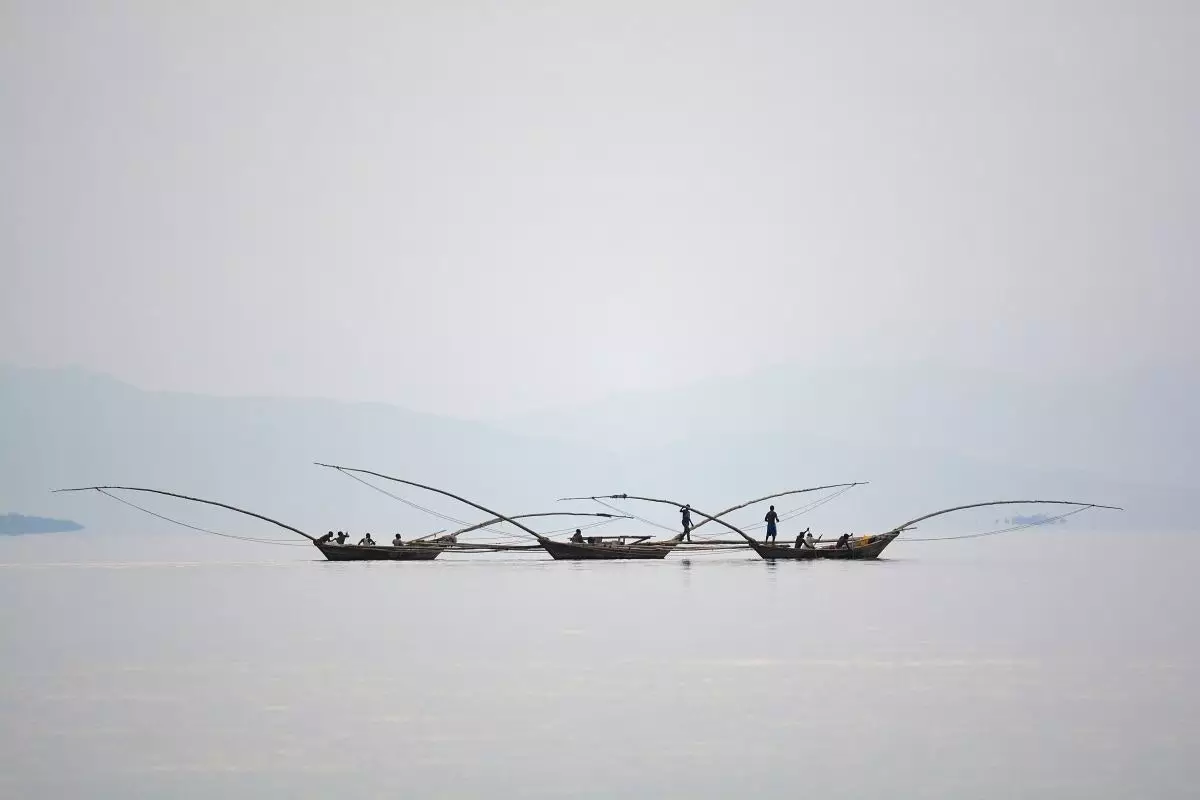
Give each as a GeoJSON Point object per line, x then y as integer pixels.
{"type": "Point", "coordinates": [16, 524]}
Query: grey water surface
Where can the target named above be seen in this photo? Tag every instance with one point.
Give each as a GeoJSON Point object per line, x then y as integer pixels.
{"type": "Point", "coordinates": [1037, 664]}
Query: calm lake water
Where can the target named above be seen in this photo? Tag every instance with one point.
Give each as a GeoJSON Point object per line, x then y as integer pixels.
{"type": "Point", "coordinates": [1035, 664]}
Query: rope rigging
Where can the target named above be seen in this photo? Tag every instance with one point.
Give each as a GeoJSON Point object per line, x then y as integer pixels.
{"type": "Point", "coordinates": [700, 545]}
{"type": "Point", "coordinates": [406, 502]}
{"type": "Point", "coordinates": [507, 537]}
{"type": "Point", "coordinates": [804, 509]}
{"type": "Point", "coordinates": [795, 512]}
{"type": "Point", "coordinates": [196, 527]}
{"type": "Point", "coordinates": [1009, 529]}
{"type": "Point", "coordinates": [634, 516]}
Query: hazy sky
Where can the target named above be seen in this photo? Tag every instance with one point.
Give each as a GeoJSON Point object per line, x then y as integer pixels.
{"type": "Point", "coordinates": [479, 208]}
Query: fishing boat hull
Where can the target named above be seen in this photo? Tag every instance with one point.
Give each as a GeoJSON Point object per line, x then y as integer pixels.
{"type": "Point", "coordinates": [870, 549]}
{"type": "Point", "coordinates": [349, 552]}
{"type": "Point", "coordinates": [570, 551]}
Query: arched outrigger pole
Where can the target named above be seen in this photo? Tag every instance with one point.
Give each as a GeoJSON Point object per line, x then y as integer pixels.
{"type": "Point", "coordinates": [468, 547]}
{"type": "Point", "coordinates": [283, 525]}
{"type": "Point", "coordinates": [1083, 506]}
{"type": "Point", "coordinates": [710, 518]}
{"type": "Point", "coordinates": [868, 547]}
{"type": "Point", "coordinates": [495, 520]}
{"type": "Point", "coordinates": [567, 551]}
{"type": "Point", "coordinates": [717, 517]}
{"type": "Point", "coordinates": [763, 499]}
{"type": "Point", "coordinates": [486, 524]}
{"type": "Point", "coordinates": [418, 551]}
{"type": "Point", "coordinates": [473, 504]}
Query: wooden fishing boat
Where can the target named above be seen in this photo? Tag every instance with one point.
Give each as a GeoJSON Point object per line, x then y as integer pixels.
{"type": "Point", "coordinates": [420, 549]}
{"type": "Point", "coordinates": [425, 548]}
{"type": "Point", "coordinates": [610, 548]}
{"type": "Point", "coordinates": [412, 551]}
{"type": "Point", "coordinates": [660, 549]}
{"type": "Point", "coordinates": [862, 547]}
{"type": "Point", "coordinates": [858, 548]}
{"type": "Point", "coordinates": [602, 548]}
{"type": "Point", "coordinates": [353, 552]}
{"type": "Point", "coordinates": [869, 546]}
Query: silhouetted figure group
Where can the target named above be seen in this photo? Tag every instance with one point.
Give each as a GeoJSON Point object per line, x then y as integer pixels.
{"type": "Point", "coordinates": [365, 541]}
{"type": "Point", "coordinates": [806, 539]}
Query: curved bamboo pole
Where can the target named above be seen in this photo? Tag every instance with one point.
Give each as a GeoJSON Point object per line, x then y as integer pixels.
{"type": "Point", "coordinates": [283, 525]}
{"type": "Point", "coordinates": [912, 522]}
{"type": "Point", "coordinates": [740, 506]}
{"type": "Point", "coordinates": [494, 520]}
{"type": "Point", "coordinates": [716, 519]}
{"type": "Point", "coordinates": [471, 503]}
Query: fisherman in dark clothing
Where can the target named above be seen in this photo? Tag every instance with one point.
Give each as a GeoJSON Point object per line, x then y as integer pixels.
{"type": "Point", "coordinates": [325, 539]}
{"type": "Point", "coordinates": [686, 514]}
{"type": "Point", "coordinates": [843, 542]}
{"type": "Point", "coordinates": [366, 541]}
{"type": "Point", "coordinates": [771, 519]}
{"type": "Point", "coordinates": [578, 537]}
{"type": "Point", "coordinates": [341, 537]}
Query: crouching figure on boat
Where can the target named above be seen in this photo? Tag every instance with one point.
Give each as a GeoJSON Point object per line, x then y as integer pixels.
{"type": "Point", "coordinates": [366, 541]}
{"type": "Point", "coordinates": [397, 541]}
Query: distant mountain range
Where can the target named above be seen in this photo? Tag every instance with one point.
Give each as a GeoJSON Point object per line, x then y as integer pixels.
{"type": "Point", "coordinates": [924, 441]}
{"type": "Point", "coordinates": [1139, 426]}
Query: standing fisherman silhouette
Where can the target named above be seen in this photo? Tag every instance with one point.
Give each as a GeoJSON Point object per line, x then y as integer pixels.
{"type": "Point", "coordinates": [771, 518]}
{"type": "Point", "coordinates": [686, 514]}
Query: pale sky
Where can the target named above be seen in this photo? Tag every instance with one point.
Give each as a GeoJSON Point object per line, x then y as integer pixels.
{"type": "Point", "coordinates": [486, 208]}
